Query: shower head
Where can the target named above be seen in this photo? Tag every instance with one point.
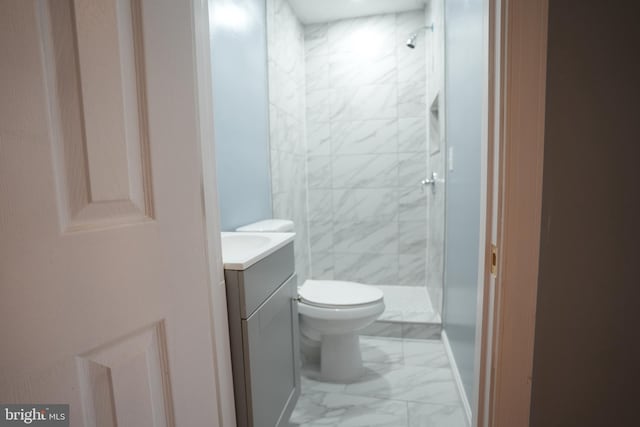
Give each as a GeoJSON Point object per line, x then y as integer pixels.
{"type": "Point", "coordinates": [411, 41]}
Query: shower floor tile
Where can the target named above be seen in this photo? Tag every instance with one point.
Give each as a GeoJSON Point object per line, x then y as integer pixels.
{"type": "Point", "coordinates": [406, 383]}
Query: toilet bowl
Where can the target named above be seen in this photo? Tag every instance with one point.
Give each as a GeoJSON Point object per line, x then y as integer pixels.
{"type": "Point", "coordinates": [332, 313]}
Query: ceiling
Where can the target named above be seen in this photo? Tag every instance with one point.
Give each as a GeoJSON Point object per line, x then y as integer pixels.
{"type": "Point", "coordinates": [316, 11]}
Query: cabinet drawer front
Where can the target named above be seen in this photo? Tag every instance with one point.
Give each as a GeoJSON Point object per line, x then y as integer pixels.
{"type": "Point", "coordinates": [263, 278]}
{"type": "Point", "coordinates": [271, 343]}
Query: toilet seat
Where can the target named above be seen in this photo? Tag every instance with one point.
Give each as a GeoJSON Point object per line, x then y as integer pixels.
{"type": "Point", "coordinates": [336, 294]}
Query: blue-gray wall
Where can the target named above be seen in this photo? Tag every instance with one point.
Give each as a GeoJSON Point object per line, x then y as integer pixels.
{"type": "Point", "coordinates": [241, 115]}
{"type": "Point", "coordinates": [463, 82]}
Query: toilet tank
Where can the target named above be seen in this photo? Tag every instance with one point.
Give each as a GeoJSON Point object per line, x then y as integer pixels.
{"type": "Point", "coordinates": [269, 225]}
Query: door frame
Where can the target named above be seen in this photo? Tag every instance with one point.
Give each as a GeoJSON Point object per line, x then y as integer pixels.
{"type": "Point", "coordinates": [513, 139]}
{"type": "Point", "coordinates": [209, 190]}
{"type": "Point", "coordinates": [515, 49]}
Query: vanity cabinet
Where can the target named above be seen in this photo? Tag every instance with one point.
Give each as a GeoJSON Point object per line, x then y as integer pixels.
{"type": "Point", "coordinates": [263, 324]}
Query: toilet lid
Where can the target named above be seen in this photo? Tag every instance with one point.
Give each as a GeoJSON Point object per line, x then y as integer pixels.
{"type": "Point", "coordinates": [338, 293]}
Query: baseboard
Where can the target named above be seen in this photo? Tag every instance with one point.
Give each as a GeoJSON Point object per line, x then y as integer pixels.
{"type": "Point", "coordinates": [456, 376]}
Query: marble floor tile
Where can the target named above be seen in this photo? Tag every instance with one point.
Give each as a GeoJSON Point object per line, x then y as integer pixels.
{"type": "Point", "coordinates": [409, 383]}
{"type": "Point", "coordinates": [427, 415]}
{"type": "Point", "coordinates": [379, 350]}
{"type": "Point", "coordinates": [429, 353]}
{"type": "Point", "coordinates": [334, 409]}
{"type": "Point", "coordinates": [405, 383]}
{"type": "Point", "coordinates": [310, 383]}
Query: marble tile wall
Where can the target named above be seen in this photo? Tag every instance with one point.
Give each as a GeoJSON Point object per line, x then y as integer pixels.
{"type": "Point", "coordinates": [288, 148]}
{"type": "Point", "coordinates": [367, 150]}
{"type": "Point", "coordinates": [434, 46]}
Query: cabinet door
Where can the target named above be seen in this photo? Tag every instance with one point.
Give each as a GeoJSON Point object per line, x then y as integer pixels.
{"type": "Point", "coordinates": [272, 358]}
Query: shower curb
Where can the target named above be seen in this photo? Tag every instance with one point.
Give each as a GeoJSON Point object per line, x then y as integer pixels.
{"type": "Point", "coordinates": [410, 330]}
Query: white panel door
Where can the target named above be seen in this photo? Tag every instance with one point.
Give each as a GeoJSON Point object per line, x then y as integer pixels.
{"type": "Point", "coordinates": [104, 281]}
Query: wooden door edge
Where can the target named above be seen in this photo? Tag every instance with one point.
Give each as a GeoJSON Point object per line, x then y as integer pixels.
{"type": "Point", "coordinates": [505, 360]}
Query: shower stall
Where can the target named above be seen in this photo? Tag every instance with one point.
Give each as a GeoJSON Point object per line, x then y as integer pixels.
{"type": "Point", "coordinates": [357, 154]}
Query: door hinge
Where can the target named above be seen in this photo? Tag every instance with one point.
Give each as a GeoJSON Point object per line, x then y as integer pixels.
{"type": "Point", "coordinates": [494, 260]}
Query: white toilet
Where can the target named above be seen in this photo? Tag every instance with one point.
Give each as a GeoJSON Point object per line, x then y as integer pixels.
{"type": "Point", "coordinates": [332, 312]}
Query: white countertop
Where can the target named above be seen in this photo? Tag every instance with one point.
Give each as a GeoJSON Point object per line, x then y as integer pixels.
{"type": "Point", "coordinates": [240, 250]}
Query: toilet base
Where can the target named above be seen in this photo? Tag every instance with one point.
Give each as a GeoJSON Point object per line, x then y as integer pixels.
{"type": "Point", "coordinates": [340, 357]}
{"type": "Point", "coordinates": [310, 350]}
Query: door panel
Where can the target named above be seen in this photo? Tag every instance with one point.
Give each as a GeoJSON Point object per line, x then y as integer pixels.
{"type": "Point", "coordinates": [95, 74]}
{"type": "Point", "coordinates": [104, 281]}
{"type": "Point", "coordinates": [126, 380]}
